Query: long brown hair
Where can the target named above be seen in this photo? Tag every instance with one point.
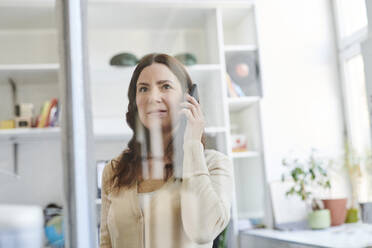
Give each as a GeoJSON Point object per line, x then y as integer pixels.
{"type": "Point", "coordinates": [128, 170]}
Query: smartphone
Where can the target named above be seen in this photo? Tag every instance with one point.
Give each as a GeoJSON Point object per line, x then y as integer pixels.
{"type": "Point", "coordinates": [194, 92]}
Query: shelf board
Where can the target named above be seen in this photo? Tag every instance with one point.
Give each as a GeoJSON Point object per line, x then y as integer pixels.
{"type": "Point", "coordinates": [213, 130]}
{"type": "Point", "coordinates": [29, 72]}
{"type": "Point", "coordinates": [105, 73]}
{"type": "Point", "coordinates": [203, 67]}
{"type": "Point", "coordinates": [240, 103]}
{"type": "Point", "coordinates": [251, 214]}
{"type": "Point", "coordinates": [23, 14]}
{"type": "Point", "coordinates": [122, 136]}
{"type": "Point", "coordinates": [191, 68]}
{"type": "Point", "coordinates": [240, 48]}
{"type": "Point", "coordinates": [29, 133]}
{"type": "Point", "coordinates": [248, 154]}
{"type": "Point", "coordinates": [120, 15]}
{"type": "Point", "coordinates": [29, 67]}
{"type": "Point", "coordinates": [37, 134]}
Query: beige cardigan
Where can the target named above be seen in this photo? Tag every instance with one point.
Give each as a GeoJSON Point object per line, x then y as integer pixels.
{"type": "Point", "coordinates": [183, 214]}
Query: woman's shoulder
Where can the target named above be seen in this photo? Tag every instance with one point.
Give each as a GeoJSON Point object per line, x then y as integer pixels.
{"type": "Point", "coordinates": [110, 166]}
{"type": "Point", "coordinates": [108, 171]}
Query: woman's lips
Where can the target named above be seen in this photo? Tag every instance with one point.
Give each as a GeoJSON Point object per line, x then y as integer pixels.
{"type": "Point", "coordinates": [160, 113]}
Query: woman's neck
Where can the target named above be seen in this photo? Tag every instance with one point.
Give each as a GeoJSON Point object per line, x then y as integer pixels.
{"type": "Point", "coordinates": [167, 138]}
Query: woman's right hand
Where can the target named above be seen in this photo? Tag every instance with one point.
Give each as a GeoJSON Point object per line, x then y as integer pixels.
{"type": "Point", "coordinates": [195, 118]}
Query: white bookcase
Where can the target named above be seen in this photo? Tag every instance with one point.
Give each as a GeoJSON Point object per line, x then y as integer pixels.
{"type": "Point", "coordinates": [209, 29]}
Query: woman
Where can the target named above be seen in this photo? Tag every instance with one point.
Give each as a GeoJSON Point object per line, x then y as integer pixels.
{"type": "Point", "coordinates": [144, 202]}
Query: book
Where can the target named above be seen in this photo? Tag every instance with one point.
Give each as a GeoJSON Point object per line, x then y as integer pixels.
{"type": "Point", "coordinates": [52, 105]}
{"type": "Point", "coordinates": [53, 118]}
{"type": "Point", "coordinates": [41, 120]}
{"type": "Point", "coordinates": [238, 90]}
{"type": "Point", "coordinates": [231, 89]}
{"type": "Point", "coordinates": [243, 69]}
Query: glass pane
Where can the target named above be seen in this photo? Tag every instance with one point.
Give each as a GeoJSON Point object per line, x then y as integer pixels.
{"type": "Point", "coordinates": [353, 16]}
{"type": "Point", "coordinates": [359, 124]}
{"type": "Point", "coordinates": [357, 104]}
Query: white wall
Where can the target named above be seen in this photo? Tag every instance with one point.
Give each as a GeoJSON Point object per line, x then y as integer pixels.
{"type": "Point", "coordinates": [301, 106]}
{"type": "Point", "coordinates": [40, 178]}
{"type": "Point", "coordinates": [40, 175]}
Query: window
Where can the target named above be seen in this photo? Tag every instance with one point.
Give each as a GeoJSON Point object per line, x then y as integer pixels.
{"type": "Point", "coordinates": [356, 104]}
{"type": "Point", "coordinates": [351, 24]}
{"type": "Point", "coordinates": [352, 16]}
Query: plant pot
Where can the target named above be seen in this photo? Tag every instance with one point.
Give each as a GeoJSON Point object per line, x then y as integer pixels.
{"type": "Point", "coordinates": [352, 215]}
{"type": "Point", "coordinates": [366, 212]}
{"type": "Point", "coordinates": [319, 219]}
{"type": "Point", "coordinates": [338, 210]}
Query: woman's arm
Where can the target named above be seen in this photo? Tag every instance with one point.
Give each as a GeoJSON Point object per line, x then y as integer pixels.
{"type": "Point", "coordinates": [105, 240]}
{"type": "Point", "coordinates": [206, 192]}
{"type": "Point", "coordinates": [206, 189]}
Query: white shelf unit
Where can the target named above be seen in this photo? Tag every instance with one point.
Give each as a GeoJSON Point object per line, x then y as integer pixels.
{"type": "Point", "coordinates": [29, 56]}
{"type": "Point", "coordinates": [239, 27]}
{"type": "Point", "coordinates": [207, 29]}
{"type": "Point", "coordinates": [240, 37]}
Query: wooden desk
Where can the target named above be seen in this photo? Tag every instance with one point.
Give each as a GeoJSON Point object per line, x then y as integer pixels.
{"type": "Point", "coordinates": [356, 235]}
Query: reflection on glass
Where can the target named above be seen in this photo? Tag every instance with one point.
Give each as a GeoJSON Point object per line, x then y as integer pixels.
{"type": "Point", "coordinates": [357, 104]}
{"type": "Point", "coordinates": [353, 16]}
{"type": "Point", "coordinates": [165, 189]}
{"type": "Point", "coordinates": [358, 117]}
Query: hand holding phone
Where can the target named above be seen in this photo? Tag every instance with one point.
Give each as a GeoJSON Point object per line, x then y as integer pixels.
{"type": "Point", "coordinates": [193, 92]}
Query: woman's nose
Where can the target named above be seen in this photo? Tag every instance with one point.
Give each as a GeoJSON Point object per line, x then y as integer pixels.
{"type": "Point", "coordinates": [155, 96]}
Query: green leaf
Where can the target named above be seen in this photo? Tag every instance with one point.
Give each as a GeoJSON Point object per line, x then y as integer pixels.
{"type": "Point", "coordinates": [312, 173]}
{"type": "Point", "coordinates": [328, 184]}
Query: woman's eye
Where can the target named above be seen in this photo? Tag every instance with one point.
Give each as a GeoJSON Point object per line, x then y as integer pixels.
{"type": "Point", "coordinates": [166, 86]}
{"type": "Point", "coordinates": [142, 89]}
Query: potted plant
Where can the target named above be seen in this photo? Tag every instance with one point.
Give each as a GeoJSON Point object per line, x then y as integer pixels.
{"type": "Point", "coordinates": [306, 176]}
{"type": "Point", "coordinates": [337, 206]}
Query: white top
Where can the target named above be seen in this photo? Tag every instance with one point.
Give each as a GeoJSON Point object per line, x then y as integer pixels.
{"type": "Point", "coordinates": [205, 193]}
{"type": "Point", "coordinates": [144, 199]}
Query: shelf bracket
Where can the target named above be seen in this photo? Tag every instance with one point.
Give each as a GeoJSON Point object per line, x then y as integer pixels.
{"type": "Point", "coordinates": [15, 159]}
{"type": "Point", "coordinates": [14, 171]}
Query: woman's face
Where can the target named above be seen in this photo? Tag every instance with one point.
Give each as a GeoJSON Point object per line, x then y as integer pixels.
{"type": "Point", "coordinates": [158, 96]}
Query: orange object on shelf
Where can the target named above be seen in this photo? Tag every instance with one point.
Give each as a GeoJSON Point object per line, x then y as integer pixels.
{"type": "Point", "coordinates": [240, 149]}
{"type": "Point", "coordinates": [239, 143]}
